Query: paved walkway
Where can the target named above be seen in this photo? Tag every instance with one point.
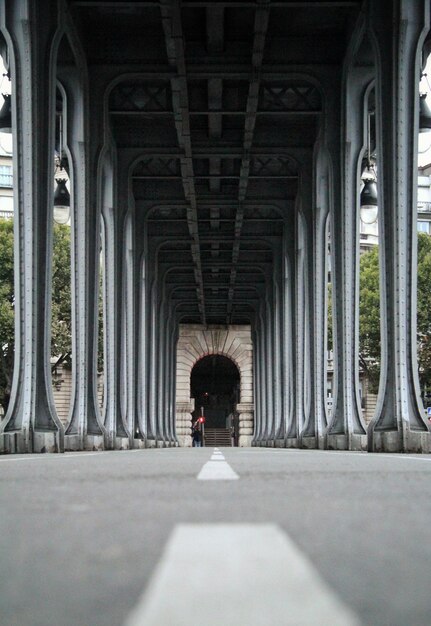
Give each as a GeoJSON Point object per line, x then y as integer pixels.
{"type": "Point", "coordinates": [240, 537]}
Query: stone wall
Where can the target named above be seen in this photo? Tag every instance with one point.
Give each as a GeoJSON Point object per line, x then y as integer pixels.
{"type": "Point", "coordinates": [194, 343]}
{"type": "Point", "coordinates": [62, 391]}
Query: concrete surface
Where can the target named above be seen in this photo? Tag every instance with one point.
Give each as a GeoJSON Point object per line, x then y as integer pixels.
{"type": "Point", "coordinates": [81, 533]}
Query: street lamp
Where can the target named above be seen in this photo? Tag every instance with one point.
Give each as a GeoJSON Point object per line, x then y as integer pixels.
{"type": "Point", "coordinates": [61, 194]}
{"type": "Point", "coordinates": [424, 109]}
{"type": "Point", "coordinates": [61, 202]}
{"type": "Point", "coordinates": [6, 109]}
{"type": "Point", "coordinates": [368, 207]}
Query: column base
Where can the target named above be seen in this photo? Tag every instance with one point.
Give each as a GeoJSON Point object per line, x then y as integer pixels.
{"type": "Point", "coordinates": [139, 444]}
{"type": "Point", "coordinates": [414, 442]}
{"type": "Point", "coordinates": [22, 442]}
{"type": "Point", "coordinates": [244, 441]}
{"type": "Point", "coordinates": [292, 442]}
{"type": "Point", "coordinates": [151, 443]}
{"type": "Point", "coordinates": [122, 443]}
{"type": "Point", "coordinates": [74, 443]}
{"type": "Point", "coordinates": [346, 442]}
{"type": "Point", "coordinates": [280, 443]}
{"type": "Point", "coordinates": [313, 443]}
{"type": "Point", "coordinates": [309, 443]}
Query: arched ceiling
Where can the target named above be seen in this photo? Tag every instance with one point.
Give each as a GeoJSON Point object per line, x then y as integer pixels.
{"type": "Point", "coordinates": [219, 102]}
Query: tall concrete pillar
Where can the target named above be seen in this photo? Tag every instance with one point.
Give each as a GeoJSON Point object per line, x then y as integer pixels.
{"type": "Point", "coordinates": [269, 369]}
{"type": "Point", "coordinates": [31, 423]}
{"type": "Point", "coordinates": [117, 433]}
{"type": "Point", "coordinates": [256, 383]}
{"type": "Point", "coordinates": [296, 425]}
{"type": "Point", "coordinates": [153, 365]}
{"type": "Point", "coordinates": [288, 324]}
{"type": "Point", "coordinates": [346, 430]}
{"type": "Point", "coordinates": [143, 347]}
{"type": "Point", "coordinates": [277, 356]}
{"type": "Point", "coordinates": [399, 424]}
{"type": "Point", "coordinates": [261, 424]}
{"type": "Point", "coordinates": [311, 435]}
{"type": "Point", "coordinates": [85, 430]}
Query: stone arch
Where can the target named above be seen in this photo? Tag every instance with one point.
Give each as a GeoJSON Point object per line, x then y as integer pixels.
{"type": "Point", "coordinates": [194, 343]}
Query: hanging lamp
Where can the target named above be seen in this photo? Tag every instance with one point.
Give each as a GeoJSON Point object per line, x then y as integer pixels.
{"type": "Point", "coordinates": [61, 202]}
{"type": "Point", "coordinates": [6, 114]}
{"type": "Point", "coordinates": [368, 208]}
{"type": "Point", "coordinates": [368, 201]}
{"type": "Point", "coordinates": [424, 114]}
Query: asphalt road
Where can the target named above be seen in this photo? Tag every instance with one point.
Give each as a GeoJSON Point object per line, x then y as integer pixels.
{"type": "Point", "coordinates": [82, 533]}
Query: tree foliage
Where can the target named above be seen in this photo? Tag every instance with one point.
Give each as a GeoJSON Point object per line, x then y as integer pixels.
{"type": "Point", "coordinates": [61, 348]}
{"type": "Point", "coordinates": [369, 316]}
{"type": "Point", "coordinates": [424, 310]}
{"type": "Point", "coordinates": [6, 310]}
{"type": "Point", "coordinates": [369, 313]}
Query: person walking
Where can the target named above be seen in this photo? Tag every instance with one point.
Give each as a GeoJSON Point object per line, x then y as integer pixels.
{"type": "Point", "coordinates": [197, 437]}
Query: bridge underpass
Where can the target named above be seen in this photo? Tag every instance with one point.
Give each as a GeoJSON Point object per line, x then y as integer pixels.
{"type": "Point", "coordinates": [211, 147]}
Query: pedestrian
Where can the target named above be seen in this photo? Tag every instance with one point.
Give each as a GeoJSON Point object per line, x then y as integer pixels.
{"type": "Point", "coordinates": [197, 437]}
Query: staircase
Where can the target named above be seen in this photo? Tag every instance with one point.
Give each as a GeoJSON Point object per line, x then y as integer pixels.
{"type": "Point", "coordinates": [217, 437]}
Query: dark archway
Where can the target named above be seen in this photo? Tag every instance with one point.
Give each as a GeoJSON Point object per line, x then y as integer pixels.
{"type": "Point", "coordinates": [215, 384]}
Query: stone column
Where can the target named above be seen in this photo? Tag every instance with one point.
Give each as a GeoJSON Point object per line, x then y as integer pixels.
{"type": "Point", "coordinates": [278, 382]}
{"type": "Point", "coordinates": [260, 377]}
{"type": "Point", "coordinates": [295, 427]}
{"type": "Point", "coordinates": [246, 415]}
{"type": "Point", "coordinates": [269, 362]}
{"type": "Point", "coordinates": [256, 385]}
{"type": "Point", "coordinates": [154, 426]}
{"type": "Point", "coordinates": [288, 317]}
{"type": "Point", "coordinates": [312, 435]}
{"type": "Point", "coordinates": [398, 29]}
{"type": "Point", "coordinates": [346, 430]}
{"type": "Point", "coordinates": [143, 348]}
{"type": "Point", "coordinates": [117, 434]}
{"type": "Point", "coordinates": [31, 423]}
{"type": "Point", "coordinates": [85, 430]}
{"type": "Point", "coordinates": [183, 418]}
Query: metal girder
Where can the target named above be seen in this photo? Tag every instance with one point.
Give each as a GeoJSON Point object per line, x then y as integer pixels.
{"type": "Point", "coordinates": [260, 28]}
{"type": "Point", "coordinates": [172, 26]}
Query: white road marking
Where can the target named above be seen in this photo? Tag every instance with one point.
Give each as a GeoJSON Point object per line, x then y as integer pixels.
{"type": "Point", "coordinates": [339, 453]}
{"type": "Point", "coordinates": [237, 575]}
{"type": "Point", "coordinates": [217, 470]}
{"type": "Point", "coordinates": [217, 457]}
{"type": "Point", "coordinates": [49, 455]}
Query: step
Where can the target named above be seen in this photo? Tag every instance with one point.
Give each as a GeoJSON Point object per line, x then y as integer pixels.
{"type": "Point", "coordinates": [218, 437]}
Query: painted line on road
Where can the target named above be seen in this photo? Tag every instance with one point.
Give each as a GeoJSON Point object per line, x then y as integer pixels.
{"type": "Point", "coordinates": [339, 453]}
{"type": "Point", "coordinates": [257, 575]}
{"type": "Point", "coordinates": [217, 469]}
{"type": "Point", "coordinates": [217, 455]}
{"type": "Point", "coordinates": [50, 455]}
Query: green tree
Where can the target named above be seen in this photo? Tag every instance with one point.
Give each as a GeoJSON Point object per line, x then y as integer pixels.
{"type": "Point", "coordinates": [369, 316]}
{"type": "Point", "coordinates": [424, 310]}
{"type": "Point", "coordinates": [369, 313]}
{"type": "Point", "coordinates": [61, 337]}
{"type": "Point", "coordinates": [61, 348]}
{"type": "Point", "coordinates": [6, 310]}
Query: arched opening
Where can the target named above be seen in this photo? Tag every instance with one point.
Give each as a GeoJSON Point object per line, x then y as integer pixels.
{"type": "Point", "coordinates": [215, 385]}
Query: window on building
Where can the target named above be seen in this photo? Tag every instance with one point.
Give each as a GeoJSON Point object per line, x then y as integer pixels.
{"type": "Point", "coordinates": [6, 206]}
{"type": "Point", "coordinates": [423, 226]}
{"type": "Point", "coordinates": [6, 176]}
